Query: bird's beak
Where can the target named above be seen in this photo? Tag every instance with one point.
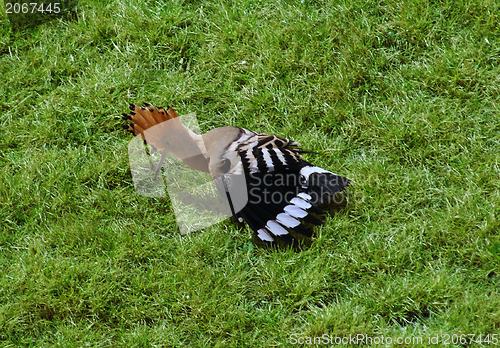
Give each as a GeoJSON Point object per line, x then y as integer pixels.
{"type": "Point", "coordinates": [162, 159]}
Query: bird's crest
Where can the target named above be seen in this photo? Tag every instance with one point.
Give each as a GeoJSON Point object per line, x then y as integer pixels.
{"type": "Point", "coordinates": [162, 129]}
{"type": "Point", "coordinates": [145, 117]}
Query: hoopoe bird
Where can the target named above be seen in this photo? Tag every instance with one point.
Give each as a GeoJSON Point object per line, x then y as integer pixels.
{"type": "Point", "coordinates": [287, 193]}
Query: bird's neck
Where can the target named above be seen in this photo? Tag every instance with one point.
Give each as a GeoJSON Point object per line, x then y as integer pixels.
{"type": "Point", "coordinates": [191, 149]}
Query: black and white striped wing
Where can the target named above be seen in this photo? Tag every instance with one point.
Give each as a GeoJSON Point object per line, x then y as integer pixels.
{"type": "Point", "coordinates": [284, 191]}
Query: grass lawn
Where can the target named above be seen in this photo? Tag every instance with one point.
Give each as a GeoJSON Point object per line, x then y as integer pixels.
{"type": "Point", "coordinates": [400, 96]}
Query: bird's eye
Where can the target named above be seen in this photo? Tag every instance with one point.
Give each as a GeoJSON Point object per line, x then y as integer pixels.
{"type": "Point", "coordinates": [225, 165]}
{"type": "Point", "coordinates": [167, 143]}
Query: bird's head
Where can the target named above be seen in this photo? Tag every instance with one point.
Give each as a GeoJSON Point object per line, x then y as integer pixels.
{"type": "Point", "coordinates": [157, 126]}
{"type": "Point", "coordinates": [163, 129]}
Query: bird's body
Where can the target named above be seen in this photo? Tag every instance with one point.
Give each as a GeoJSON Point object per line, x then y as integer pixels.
{"type": "Point", "coordinates": [284, 191]}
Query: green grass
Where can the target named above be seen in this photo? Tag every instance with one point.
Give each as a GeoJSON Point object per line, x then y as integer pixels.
{"type": "Point", "coordinates": [400, 96]}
